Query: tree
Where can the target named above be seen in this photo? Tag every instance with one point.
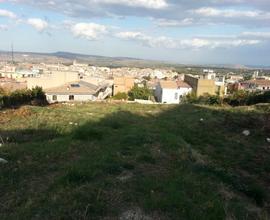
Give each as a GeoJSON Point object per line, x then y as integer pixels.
{"type": "Point", "coordinates": [139, 93]}
{"type": "Point", "coordinates": [38, 93]}
{"type": "Point", "coordinates": [148, 78]}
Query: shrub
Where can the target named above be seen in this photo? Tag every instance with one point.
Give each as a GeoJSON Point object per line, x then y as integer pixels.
{"type": "Point", "coordinates": [214, 100]}
{"type": "Point", "coordinates": [37, 93]}
{"type": "Point", "coordinates": [257, 97]}
{"type": "Point", "coordinates": [204, 100]}
{"type": "Point", "coordinates": [242, 97]}
{"type": "Point", "coordinates": [1, 100]}
{"type": "Point", "coordinates": [191, 98]}
{"type": "Point", "coordinates": [120, 96]}
{"type": "Point", "coordinates": [23, 97]}
{"type": "Point", "coordinates": [238, 98]}
{"type": "Point", "coordinates": [139, 93]}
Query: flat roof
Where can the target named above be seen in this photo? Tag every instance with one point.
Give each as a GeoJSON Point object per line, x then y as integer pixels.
{"type": "Point", "coordinates": [173, 84]}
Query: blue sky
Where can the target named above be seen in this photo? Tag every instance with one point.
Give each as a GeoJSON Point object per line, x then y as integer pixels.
{"type": "Point", "coordinates": [183, 31]}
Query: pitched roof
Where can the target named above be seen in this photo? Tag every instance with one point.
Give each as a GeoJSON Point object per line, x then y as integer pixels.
{"type": "Point", "coordinates": [74, 88]}
{"type": "Point", "coordinates": [258, 82]}
{"type": "Point", "coordinates": [173, 84]}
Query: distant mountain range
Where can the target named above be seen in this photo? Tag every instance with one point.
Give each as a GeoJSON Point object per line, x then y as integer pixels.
{"type": "Point", "coordinates": [67, 57]}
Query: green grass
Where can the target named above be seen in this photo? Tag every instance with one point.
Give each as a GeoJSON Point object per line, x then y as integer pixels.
{"type": "Point", "coordinates": [70, 162]}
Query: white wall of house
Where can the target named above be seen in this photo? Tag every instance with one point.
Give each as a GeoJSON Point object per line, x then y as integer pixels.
{"type": "Point", "coordinates": [263, 88]}
{"type": "Point", "coordinates": [171, 96]}
{"type": "Point", "coordinates": [65, 98]}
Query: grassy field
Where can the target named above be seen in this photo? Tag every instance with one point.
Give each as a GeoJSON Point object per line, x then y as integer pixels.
{"type": "Point", "coordinates": [129, 161]}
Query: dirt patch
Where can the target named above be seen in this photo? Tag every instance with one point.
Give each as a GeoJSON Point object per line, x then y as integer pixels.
{"type": "Point", "coordinates": [4, 117]}
{"type": "Point", "coordinates": [23, 112]}
{"type": "Point", "coordinates": [55, 105]}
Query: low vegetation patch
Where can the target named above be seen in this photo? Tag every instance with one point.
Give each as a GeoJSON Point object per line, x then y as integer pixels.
{"type": "Point", "coordinates": [17, 98]}
{"type": "Point", "coordinates": [120, 161]}
{"type": "Point", "coordinates": [240, 98]}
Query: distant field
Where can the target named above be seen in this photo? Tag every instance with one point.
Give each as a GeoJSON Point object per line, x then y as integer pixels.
{"type": "Point", "coordinates": [121, 161]}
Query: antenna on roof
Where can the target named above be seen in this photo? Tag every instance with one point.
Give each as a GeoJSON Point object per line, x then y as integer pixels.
{"type": "Point", "coordinates": [12, 54]}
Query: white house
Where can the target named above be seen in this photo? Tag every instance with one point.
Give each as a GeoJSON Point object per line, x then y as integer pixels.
{"type": "Point", "coordinates": [77, 91]}
{"type": "Point", "coordinates": [172, 92]}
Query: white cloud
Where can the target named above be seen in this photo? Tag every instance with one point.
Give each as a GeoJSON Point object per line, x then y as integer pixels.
{"type": "Point", "coordinates": [89, 31]}
{"type": "Point", "coordinates": [131, 35]}
{"type": "Point", "coordinates": [174, 23]}
{"type": "Point", "coordinates": [151, 4]}
{"type": "Point", "coordinates": [8, 14]}
{"type": "Point", "coordinates": [252, 13]}
{"type": "Point", "coordinates": [38, 24]}
{"type": "Point", "coordinates": [3, 27]}
{"type": "Point", "coordinates": [257, 35]}
{"type": "Point", "coordinates": [193, 43]}
{"type": "Point", "coordinates": [231, 13]}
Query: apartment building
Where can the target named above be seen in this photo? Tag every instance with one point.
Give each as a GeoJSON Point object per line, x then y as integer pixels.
{"type": "Point", "coordinates": [122, 84]}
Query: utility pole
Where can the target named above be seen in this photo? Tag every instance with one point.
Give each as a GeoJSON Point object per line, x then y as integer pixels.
{"type": "Point", "coordinates": [12, 54]}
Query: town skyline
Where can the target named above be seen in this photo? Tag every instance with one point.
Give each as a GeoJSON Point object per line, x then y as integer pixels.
{"type": "Point", "coordinates": [165, 30]}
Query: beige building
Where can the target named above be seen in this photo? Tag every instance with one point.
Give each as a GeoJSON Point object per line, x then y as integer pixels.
{"type": "Point", "coordinates": [11, 84]}
{"type": "Point", "coordinates": [201, 86]}
{"type": "Point", "coordinates": [70, 92]}
{"type": "Point", "coordinates": [77, 91]}
{"type": "Point", "coordinates": [53, 79]}
{"type": "Point", "coordinates": [123, 84]}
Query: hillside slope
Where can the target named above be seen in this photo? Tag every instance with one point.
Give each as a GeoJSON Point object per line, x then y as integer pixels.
{"type": "Point", "coordinates": [121, 161]}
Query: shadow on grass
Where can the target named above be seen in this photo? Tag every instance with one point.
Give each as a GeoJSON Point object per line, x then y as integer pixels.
{"type": "Point", "coordinates": [28, 135]}
{"type": "Point", "coordinates": [174, 164]}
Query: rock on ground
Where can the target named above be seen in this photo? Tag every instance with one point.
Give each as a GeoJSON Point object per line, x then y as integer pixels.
{"type": "Point", "coordinates": [134, 214]}
{"type": "Point", "coordinates": [3, 160]}
{"type": "Point", "coordinates": [246, 132]}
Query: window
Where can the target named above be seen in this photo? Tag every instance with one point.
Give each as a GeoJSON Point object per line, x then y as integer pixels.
{"type": "Point", "coordinates": [176, 96]}
{"type": "Point", "coordinates": [54, 97]}
{"type": "Point", "coordinates": [71, 97]}
{"type": "Point", "coordinates": [75, 85]}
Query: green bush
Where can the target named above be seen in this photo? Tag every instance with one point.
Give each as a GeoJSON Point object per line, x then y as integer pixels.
{"type": "Point", "coordinates": [239, 98]}
{"type": "Point", "coordinates": [22, 97]}
{"type": "Point", "coordinates": [257, 97]}
{"type": "Point", "coordinates": [191, 98]}
{"type": "Point", "coordinates": [37, 93]}
{"type": "Point", "coordinates": [203, 100]}
{"type": "Point", "coordinates": [139, 93]}
{"type": "Point", "coordinates": [214, 100]}
{"type": "Point", "coordinates": [120, 96]}
{"type": "Point", "coordinates": [242, 98]}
